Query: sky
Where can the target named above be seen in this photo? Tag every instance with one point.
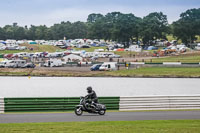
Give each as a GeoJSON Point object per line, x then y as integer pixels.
{"type": "Point", "coordinates": [49, 12]}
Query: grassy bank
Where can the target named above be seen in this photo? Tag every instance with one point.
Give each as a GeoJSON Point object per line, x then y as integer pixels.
{"type": "Point", "coordinates": [158, 72]}
{"type": "Point", "coordinates": [182, 72]}
{"type": "Point", "coordinates": [185, 58]}
{"type": "Point", "coordinates": [164, 126]}
{"type": "Point", "coordinates": [90, 49]}
{"type": "Point", "coordinates": [35, 47]}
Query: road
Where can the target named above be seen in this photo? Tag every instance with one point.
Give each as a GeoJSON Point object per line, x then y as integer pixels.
{"type": "Point", "coordinates": [110, 116]}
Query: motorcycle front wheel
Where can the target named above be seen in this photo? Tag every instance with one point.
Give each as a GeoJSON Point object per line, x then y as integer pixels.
{"type": "Point", "coordinates": [102, 112]}
{"type": "Point", "coordinates": [78, 111]}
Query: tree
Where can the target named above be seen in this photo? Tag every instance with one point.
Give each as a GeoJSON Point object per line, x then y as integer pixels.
{"type": "Point", "coordinates": [19, 33]}
{"type": "Point", "coordinates": [79, 30]}
{"type": "Point", "coordinates": [2, 34]}
{"type": "Point", "coordinates": [96, 30]}
{"type": "Point", "coordinates": [31, 33]}
{"type": "Point", "coordinates": [9, 32]}
{"type": "Point", "coordinates": [115, 26]}
{"type": "Point", "coordinates": [92, 18]}
{"type": "Point", "coordinates": [154, 26]}
{"type": "Point", "coordinates": [41, 32]}
{"type": "Point", "coordinates": [126, 28]}
{"type": "Point", "coordinates": [188, 26]}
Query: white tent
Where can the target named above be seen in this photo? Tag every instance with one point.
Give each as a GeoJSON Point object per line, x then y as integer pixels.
{"type": "Point", "coordinates": [72, 57]}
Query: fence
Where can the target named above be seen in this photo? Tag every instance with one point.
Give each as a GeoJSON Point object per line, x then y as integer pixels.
{"type": "Point", "coordinates": [112, 103]}
{"type": "Point", "coordinates": [163, 63]}
{"type": "Point", "coordinates": [1, 105]}
{"type": "Point", "coordinates": [53, 104]}
{"type": "Point", "coordinates": [159, 103]}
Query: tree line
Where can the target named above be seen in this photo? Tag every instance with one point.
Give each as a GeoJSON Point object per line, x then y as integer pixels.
{"type": "Point", "coordinates": [115, 26]}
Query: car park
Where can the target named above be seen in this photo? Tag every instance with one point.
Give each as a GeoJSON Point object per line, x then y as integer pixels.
{"type": "Point", "coordinates": [2, 64]}
{"type": "Point", "coordinates": [29, 65]}
{"type": "Point", "coordinates": [53, 63]}
{"type": "Point", "coordinates": [107, 66]}
{"type": "Point", "coordinates": [95, 67]}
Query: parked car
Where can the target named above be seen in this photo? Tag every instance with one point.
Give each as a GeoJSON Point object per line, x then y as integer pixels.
{"type": "Point", "coordinates": [29, 65]}
{"type": "Point", "coordinates": [85, 46]}
{"type": "Point", "coordinates": [8, 56]}
{"type": "Point", "coordinates": [2, 64]}
{"type": "Point", "coordinates": [114, 56]}
{"type": "Point", "coordinates": [107, 66]}
{"type": "Point", "coordinates": [53, 63]}
{"type": "Point", "coordinates": [152, 48]}
{"type": "Point", "coordinates": [198, 46]}
{"type": "Point", "coordinates": [16, 63]}
{"type": "Point", "coordinates": [95, 67]}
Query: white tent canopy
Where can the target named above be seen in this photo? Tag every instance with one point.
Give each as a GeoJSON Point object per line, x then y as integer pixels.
{"type": "Point", "coordinates": [72, 57]}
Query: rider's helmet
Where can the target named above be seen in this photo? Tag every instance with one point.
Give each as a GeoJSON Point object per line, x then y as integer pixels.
{"type": "Point", "coordinates": [89, 89]}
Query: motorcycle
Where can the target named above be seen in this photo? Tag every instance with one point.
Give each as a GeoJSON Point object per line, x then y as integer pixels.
{"type": "Point", "coordinates": [86, 106]}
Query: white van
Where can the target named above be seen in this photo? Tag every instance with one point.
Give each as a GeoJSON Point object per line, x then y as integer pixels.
{"type": "Point", "coordinates": [198, 46]}
{"type": "Point", "coordinates": [107, 66]}
{"type": "Point", "coordinates": [53, 63]}
{"type": "Point", "coordinates": [2, 64]}
{"type": "Point", "coordinates": [15, 63]}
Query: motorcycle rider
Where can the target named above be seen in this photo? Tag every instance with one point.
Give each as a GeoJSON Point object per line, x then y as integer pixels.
{"type": "Point", "coordinates": [92, 96]}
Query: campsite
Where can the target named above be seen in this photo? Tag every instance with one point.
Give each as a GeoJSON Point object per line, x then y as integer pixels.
{"type": "Point", "coordinates": [51, 59]}
{"type": "Point", "coordinates": [122, 66]}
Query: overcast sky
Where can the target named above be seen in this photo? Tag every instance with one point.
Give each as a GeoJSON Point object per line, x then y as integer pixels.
{"type": "Point", "coordinates": [49, 12]}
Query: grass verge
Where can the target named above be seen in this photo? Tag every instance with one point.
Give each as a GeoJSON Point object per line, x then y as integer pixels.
{"type": "Point", "coordinates": [164, 126]}
{"type": "Point", "coordinates": [195, 58]}
{"type": "Point", "coordinates": [158, 72]}
{"type": "Point", "coordinates": [90, 49]}
{"type": "Point", "coordinates": [35, 47]}
{"type": "Point", "coordinates": [154, 72]}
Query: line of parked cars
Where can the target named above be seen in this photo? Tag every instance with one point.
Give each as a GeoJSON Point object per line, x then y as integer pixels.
{"type": "Point", "coordinates": [16, 64]}
{"type": "Point", "coordinates": [106, 66]}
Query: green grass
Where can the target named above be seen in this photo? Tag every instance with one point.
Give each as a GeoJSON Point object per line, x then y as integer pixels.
{"type": "Point", "coordinates": [46, 48]}
{"type": "Point", "coordinates": [125, 53]}
{"type": "Point", "coordinates": [36, 48]}
{"type": "Point", "coordinates": [180, 58]}
{"type": "Point", "coordinates": [10, 51]}
{"type": "Point", "coordinates": [90, 49]}
{"type": "Point", "coordinates": [182, 72]}
{"type": "Point", "coordinates": [159, 126]}
{"type": "Point", "coordinates": [170, 38]}
{"type": "Point", "coordinates": [198, 38]}
{"type": "Point", "coordinates": [157, 72]}
{"type": "Point", "coordinates": [14, 73]}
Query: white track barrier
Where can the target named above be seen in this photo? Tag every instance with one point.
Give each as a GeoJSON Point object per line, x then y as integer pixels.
{"type": "Point", "coordinates": [171, 63]}
{"type": "Point", "coordinates": [159, 103]}
{"type": "Point", "coordinates": [1, 105]}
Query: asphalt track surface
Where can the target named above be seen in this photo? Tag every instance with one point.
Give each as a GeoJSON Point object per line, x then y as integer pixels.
{"type": "Point", "coordinates": [110, 116]}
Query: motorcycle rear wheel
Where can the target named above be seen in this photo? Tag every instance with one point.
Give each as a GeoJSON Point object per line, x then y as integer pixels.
{"type": "Point", "coordinates": [78, 111]}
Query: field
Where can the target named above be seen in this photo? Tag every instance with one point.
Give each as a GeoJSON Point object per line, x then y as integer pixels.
{"type": "Point", "coordinates": [158, 72]}
{"type": "Point", "coordinates": [35, 47]}
{"type": "Point", "coordinates": [185, 58]}
{"type": "Point", "coordinates": [184, 72]}
{"type": "Point", "coordinates": [90, 49]}
{"type": "Point", "coordinates": [170, 38]}
{"type": "Point", "coordinates": [164, 126]}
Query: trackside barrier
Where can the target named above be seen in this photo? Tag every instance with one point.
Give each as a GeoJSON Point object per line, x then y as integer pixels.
{"type": "Point", "coordinates": [163, 63]}
{"type": "Point", "coordinates": [53, 104]}
{"type": "Point", "coordinates": [137, 63]}
{"type": "Point", "coordinates": [159, 102]}
{"type": "Point", "coordinates": [1, 105]}
{"type": "Point", "coordinates": [171, 63]}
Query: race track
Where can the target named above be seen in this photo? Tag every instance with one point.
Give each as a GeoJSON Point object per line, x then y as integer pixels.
{"type": "Point", "coordinates": [110, 116]}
